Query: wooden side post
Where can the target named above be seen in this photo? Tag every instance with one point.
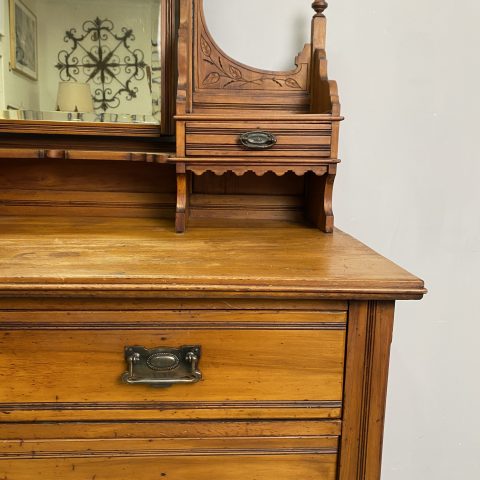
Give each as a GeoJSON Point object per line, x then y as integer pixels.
{"type": "Point", "coordinates": [370, 326]}
{"type": "Point", "coordinates": [181, 216]}
{"type": "Point", "coordinates": [319, 25]}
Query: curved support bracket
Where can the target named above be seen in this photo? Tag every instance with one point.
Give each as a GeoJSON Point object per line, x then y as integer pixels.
{"type": "Point", "coordinates": [319, 196]}
{"type": "Point", "coordinates": [181, 214]}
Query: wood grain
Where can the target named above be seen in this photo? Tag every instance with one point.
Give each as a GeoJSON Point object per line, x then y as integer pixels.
{"type": "Point", "coordinates": [367, 362]}
{"type": "Point", "coordinates": [58, 412]}
{"type": "Point", "coordinates": [163, 447]}
{"type": "Point", "coordinates": [79, 128]}
{"type": "Point", "coordinates": [102, 155]}
{"type": "Point", "coordinates": [20, 306]}
{"type": "Point", "coordinates": [295, 325]}
{"type": "Point", "coordinates": [86, 188]}
{"type": "Point", "coordinates": [222, 83]}
{"type": "Point", "coordinates": [240, 366]}
{"type": "Point", "coordinates": [68, 256]}
{"type": "Point", "coordinates": [220, 98]}
{"type": "Point", "coordinates": [293, 139]}
{"type": "Point", "coordinates": [17, 432]}
{"type": "Point", "coordinates": [228, 467]}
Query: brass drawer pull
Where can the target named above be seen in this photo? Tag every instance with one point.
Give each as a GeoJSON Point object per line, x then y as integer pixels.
{"type": "Point", "coordinates": [258, 140]}
{"type": "Point", "coordinates": [162, 367]}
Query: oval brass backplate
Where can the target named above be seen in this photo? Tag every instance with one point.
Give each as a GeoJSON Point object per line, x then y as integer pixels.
{"type": "Point", "coordinates": [258, 140]}
{"type": "Point", "coordinates": [163, 361]}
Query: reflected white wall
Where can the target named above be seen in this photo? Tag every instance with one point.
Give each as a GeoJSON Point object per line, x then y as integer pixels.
{"type": "Point", "coordinates": [54, 18]}
{"type": "Point", "coordinates": [18, 90]}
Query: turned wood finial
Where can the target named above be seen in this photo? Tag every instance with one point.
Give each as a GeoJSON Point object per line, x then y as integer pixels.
{"type": "Point", "coordinates": [319, 6]}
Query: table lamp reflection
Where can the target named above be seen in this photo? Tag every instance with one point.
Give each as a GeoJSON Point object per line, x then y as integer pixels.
{"type": "Point", "coordinates": [74, 97]}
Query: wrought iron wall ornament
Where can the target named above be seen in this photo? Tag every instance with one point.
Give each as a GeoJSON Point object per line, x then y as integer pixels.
{"type": "Point", "coordinates": [106, 59]}
{"type": "Point", "coordinates": [156, 79]}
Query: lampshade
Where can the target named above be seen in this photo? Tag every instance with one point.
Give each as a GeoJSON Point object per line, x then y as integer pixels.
{"type": "Point", "coordinates": [74, 97]}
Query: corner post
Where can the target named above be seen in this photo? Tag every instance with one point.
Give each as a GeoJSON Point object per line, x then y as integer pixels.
{"type": "Point", "coordinates": [370, 326]}
{"type": "Point", "coordinates": [319, 25]}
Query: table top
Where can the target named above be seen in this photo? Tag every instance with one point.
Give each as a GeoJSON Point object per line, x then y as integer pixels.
{"type": "Point", "coordinates": [64, 256]}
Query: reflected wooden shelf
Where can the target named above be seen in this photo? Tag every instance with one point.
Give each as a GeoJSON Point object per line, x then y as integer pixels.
{"type": "Point", "coordinates": [102, 155]}
{"type": "Point", "coordinates": [79, 128]}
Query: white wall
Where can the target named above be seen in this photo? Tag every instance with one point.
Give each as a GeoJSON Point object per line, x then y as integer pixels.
{"type": "Point", "coordinates": [409, 77]}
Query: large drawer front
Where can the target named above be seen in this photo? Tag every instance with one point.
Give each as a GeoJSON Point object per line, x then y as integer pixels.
{"type": "Point", "coordinates": [170, 450]}
{"type": "Point", "coordinates": [176, 467]}
{"type": "Point", "coordinates": [253, 365]}
{"type": "Point", "coordinates": [292, 139]}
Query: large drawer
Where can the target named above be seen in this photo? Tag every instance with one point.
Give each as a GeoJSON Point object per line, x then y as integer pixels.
{"type": "Point", "coordinates": [170, 450]}
{"type": "Point", "coordinates": [292, 139]}
{"type": "Point", "coordinates": [68, 365]}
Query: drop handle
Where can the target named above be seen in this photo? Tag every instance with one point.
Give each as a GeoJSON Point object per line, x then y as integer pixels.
{"type": "Point", "coordinates": [163, 366]}
{"type": "Point", "coordinates": [258, 140]}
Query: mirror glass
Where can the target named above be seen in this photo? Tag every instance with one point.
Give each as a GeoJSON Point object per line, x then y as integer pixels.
{"type": "Point", "coordinates": [81, 60]}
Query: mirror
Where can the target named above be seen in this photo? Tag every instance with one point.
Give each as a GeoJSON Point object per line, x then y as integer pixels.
{"type": "Point", "coordinates": [81, 60]}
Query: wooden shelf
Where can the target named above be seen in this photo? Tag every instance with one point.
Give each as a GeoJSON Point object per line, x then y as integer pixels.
{"type": "Point", "coordinates": [66, 256]}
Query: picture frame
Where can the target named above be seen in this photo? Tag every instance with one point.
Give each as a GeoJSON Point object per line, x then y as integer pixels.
{"type": "Point", "coordinates": [23, 40]}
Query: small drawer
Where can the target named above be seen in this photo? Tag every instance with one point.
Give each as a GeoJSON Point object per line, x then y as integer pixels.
{"type": "Point", "coordinates": [59, 365]}
{"type": "Point", "coordinates": [167, 450]}
{"type": "Point", "coordinates": [275, 140]}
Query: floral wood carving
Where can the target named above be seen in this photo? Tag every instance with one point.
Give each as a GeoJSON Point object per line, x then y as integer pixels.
{"type": "Point", "coordinates": [216, 70]}
{"type": "Point", "coordinates": [223, 73]}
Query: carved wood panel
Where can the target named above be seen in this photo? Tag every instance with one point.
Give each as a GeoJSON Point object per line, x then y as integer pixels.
{"type": "Point", "coordinates": [221, 82]}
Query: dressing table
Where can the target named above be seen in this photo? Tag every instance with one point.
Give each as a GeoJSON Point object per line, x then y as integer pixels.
{"type": "Point", "coordinates": [175, 300]}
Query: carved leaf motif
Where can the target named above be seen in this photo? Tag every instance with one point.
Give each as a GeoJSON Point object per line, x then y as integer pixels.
{"type": "Point", "coordinates": [290, 82]}
{"type": "Point", "coordinates": [206, 48]}
{"type": "Point", "coordinates": [211, 78]}
{"type": "Point", "coordinates": [236, 73]}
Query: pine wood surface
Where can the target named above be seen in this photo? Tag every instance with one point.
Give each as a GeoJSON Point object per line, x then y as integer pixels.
{"type": "Point", "coordinates": [16, 432]}
{"type": "Point", "coordinates": [238, 366]}
{"type": "Point", "coordinates": [366, 374]}
{"type": "Point", "coordinates": [202, 467]}
{"type": "Point", "coordinates": [293, 139]}
{"type": "Point", "coordinates": [160, 446]}
{"type": "Point", "coordinates": [144, 255]}
{"type": "Point", "coordinates": [295, 325]}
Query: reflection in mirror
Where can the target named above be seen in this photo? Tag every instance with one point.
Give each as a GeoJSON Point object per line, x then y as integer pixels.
{"type": "Point", "coordinates": [81, 60]}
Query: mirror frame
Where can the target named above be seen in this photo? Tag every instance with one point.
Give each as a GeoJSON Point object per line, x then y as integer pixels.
{"type": "Point", "coordinates": [169, 25]}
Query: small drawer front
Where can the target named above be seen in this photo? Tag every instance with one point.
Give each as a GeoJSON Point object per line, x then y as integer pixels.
{"type": "Point", "coordinates": [165, 450]}
{"type": "Point", "coordinates": [256, 365]}
{"type": "Point", "coordinates": [275, 139]}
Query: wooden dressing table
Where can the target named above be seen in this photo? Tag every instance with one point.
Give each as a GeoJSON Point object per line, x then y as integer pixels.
{"type": "Point", "coordinates": [255, 345]}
